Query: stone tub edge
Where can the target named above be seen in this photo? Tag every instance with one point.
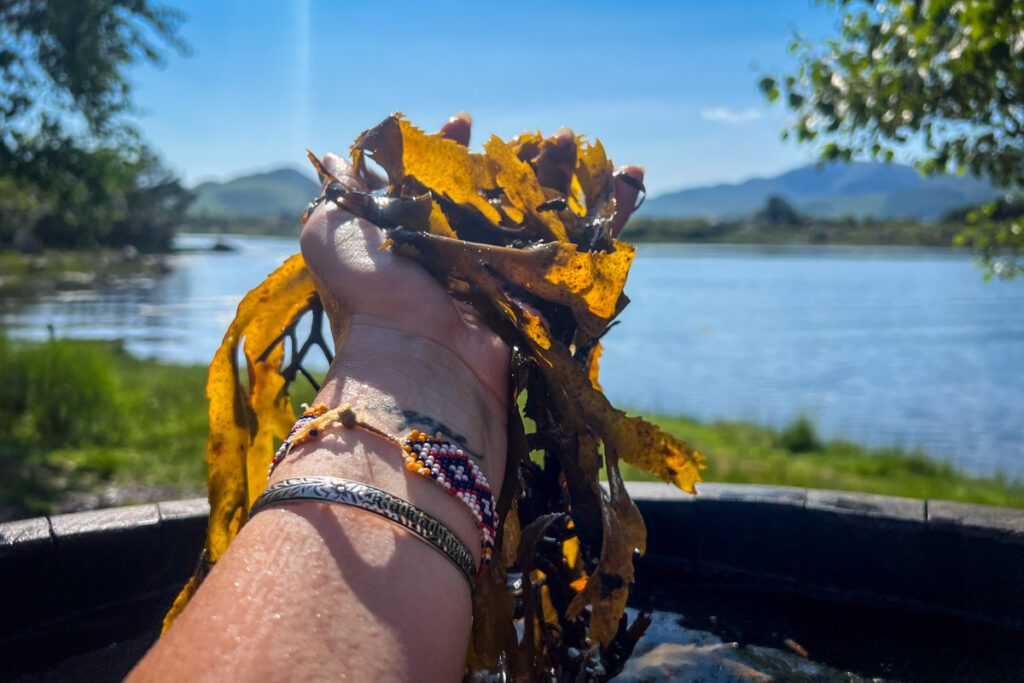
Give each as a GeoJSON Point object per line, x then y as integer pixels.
{"type": "Point", "coordinates": [79, 581]}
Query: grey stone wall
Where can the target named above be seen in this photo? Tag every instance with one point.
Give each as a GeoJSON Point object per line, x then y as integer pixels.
{"type": "Point", "coordinates": [80, 583]}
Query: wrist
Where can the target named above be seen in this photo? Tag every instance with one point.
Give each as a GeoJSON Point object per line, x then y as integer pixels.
{"type": "Point", "coordinates": [399, 381]}
{"type": "Point", "coordinates": [469, 353]}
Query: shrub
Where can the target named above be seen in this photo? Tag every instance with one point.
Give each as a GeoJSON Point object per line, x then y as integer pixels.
{"type": "Point", "coordinates": [799, 436]}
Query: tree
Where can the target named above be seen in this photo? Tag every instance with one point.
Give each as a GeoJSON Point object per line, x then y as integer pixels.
{"type": "Point", "coordinates": [940, 80]}
{"type": "Point", "coordinates": [69, 56]}
{"type": "Point", "coordinates": [778, 213]}
{"type": "Point", "coordinates": [73, 171]}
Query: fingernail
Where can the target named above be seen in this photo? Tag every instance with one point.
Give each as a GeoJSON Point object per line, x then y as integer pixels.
{"type": "Point", "coordinates": [633, 171]}
{"type": "Point", "coordinates": [462, 116]}
{"type": "Point", "coordinates": [563, 135]}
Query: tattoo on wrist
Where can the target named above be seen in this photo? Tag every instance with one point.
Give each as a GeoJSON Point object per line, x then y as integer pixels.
{"type": "Point", "coordinates": [411, 418]}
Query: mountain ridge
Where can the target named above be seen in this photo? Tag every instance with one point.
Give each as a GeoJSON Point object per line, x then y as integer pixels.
{"type": "Point", "coordinates": [278, 191]}
{"type": "Point", "coordinates": [857, 189]}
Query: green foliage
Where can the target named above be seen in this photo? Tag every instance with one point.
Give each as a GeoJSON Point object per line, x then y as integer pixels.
{"type": "Point", "coordinates": [799, 436]}
{"type": "Point", "coordinates": [145, 435]}
{"type": "Point", "coordinates": [72, 56]}
{"type": "Point", "coordinates": [58, 193]}
{"type": "Point", "coordinates": [741, 453]}
{"type": "Point", "coordinates": [680, 230]}
{"type": "Point", "coordinates": [994, 231]}
{"type": "Point", "coordinates": [56, 394]}
{"type": "Point", "coordinates": [87, 424]}
{"type": "Point", "coordinates": [80, 177]}
{"type": "Point", "coordinates": [944, 73]}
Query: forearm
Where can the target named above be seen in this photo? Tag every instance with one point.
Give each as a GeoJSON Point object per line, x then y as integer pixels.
{"type": "Point", "coordinates": [318, 591]}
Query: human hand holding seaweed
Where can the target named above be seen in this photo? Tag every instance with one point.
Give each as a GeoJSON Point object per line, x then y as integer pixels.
{"type": "Point", "coordinates": [429, 278]}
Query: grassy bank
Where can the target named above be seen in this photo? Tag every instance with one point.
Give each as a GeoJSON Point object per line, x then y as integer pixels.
{"type": "Point", "coordinates": [88, 425]}
{"type": "Point", "coordinates": [744, 453]}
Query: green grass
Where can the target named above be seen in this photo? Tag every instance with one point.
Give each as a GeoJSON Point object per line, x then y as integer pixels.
{"type": "Point", "coordinates": [85, 420]}
{"type": "Point", "coordinates": [87, 425]}
{"type": "Point", "coordinates": [740, 452]}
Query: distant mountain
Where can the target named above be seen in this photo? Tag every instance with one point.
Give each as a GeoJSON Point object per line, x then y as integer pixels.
{"type": "Point", "coordinates": [858, 189]}
{"type": "Point", "coordinates": [282, 191]}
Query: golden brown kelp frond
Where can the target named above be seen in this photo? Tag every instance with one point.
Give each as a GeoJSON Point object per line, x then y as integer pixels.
{"type": "Point", "coordinates": [245, 419]}
{"type": "Point", "coordinates": [551, 289]}
{"type": "Point", "coordinates": [520, 232]}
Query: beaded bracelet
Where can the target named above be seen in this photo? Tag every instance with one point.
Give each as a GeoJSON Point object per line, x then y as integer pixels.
{"type": "Point", "coordinates": [450, 467]}
{"type": "Point", "coordinates": [313, 422]}
{"type": "Point", "coordinates": [371, 499]}
{"type": "Point", "coordinates": [427, 455]}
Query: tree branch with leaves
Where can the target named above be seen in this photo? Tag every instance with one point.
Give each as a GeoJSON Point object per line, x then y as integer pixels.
{"type": "Point", "coordinates": [939, 81]}
{"type": "Point", "coordinates": [74, 171]}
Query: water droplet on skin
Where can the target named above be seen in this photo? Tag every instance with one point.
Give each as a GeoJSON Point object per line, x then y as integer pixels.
{"type": "Point", "coordinates": [276, 616]}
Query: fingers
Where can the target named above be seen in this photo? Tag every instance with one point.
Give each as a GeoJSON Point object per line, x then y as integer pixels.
{"type": "Point", "coordinates": [334, 200]}
{"type": "Point", "coordinates": [629, 184]}
{"type": "Point", "coordinates": [557, 161]}
{"type": "Point", "coordinates": [343, 171]}
{"type": "Point", "coordinates": [458, 128]}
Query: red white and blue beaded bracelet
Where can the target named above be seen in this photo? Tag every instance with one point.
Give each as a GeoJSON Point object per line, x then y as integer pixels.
{"type": "Point", "coordinates": [428, 455]}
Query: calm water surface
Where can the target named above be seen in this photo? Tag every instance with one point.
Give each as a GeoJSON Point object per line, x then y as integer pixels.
{"type": "Point", "coordinates": [886, 346]}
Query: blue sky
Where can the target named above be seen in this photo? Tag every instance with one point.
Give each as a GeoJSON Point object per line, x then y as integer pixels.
{"type": "Point", "coordinates": [670, 85]}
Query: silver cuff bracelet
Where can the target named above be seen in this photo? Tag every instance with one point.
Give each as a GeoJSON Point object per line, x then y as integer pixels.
{"type": "Point", "coordinates": [372, 499]}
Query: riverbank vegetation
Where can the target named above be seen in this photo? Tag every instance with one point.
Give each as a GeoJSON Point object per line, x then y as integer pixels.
{"type": "Point", "coordinates": [745, 453]}
{"type": "Point", "coordinates": [88, 425]}
{"type": "Point", "coordinates": [779, 223]}
{"type": "Point", "coordinates": [858, 232]}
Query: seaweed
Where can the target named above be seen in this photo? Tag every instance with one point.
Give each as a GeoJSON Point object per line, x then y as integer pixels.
{"type": "Point", "coordinates": [529, 245]}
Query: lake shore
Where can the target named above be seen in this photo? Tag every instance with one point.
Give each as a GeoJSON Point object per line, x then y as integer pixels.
{"type": "Point", "coordinates": [805, 231]}
{"type": "Point", "coordinates": [23, 274]}
{"type": "Point", "coordinates": [137, 430]}
{"type": "Point", "coordinates": [685, 230]}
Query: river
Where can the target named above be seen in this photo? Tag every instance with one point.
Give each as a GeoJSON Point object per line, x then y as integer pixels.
{"type": "Point", "coordinates": [881, 346]}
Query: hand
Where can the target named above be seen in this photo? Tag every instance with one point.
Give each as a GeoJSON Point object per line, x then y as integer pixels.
{"type": "Point", "coordinates": [323, 592]}
{"type": "Point", "coordinates": [399, 332]}
{"type": "Point", "coordinates": [370, 289]}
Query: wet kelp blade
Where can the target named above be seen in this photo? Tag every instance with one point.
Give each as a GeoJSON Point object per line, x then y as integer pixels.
{"type": "Point", "coordinates": [244, 421]}
{"type": "Point", "coordinates": [552, 289]}
{"type": "Point", "coordinates": [528, 245]}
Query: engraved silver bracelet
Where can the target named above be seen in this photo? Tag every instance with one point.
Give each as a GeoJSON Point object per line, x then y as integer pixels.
{"type": "Point", "coordinates": [372, 499]}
